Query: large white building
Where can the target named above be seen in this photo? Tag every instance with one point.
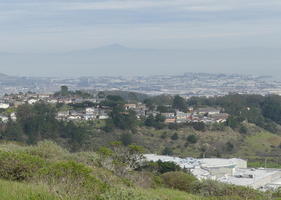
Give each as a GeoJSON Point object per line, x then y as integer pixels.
{"type": "Point", "coordinates": [231, 171]}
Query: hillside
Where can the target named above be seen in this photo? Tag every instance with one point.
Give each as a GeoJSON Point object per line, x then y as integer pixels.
{"type": "Point", "coordinates": [254, 146]}
{"type": "Point", "coordinates": [48, 172]}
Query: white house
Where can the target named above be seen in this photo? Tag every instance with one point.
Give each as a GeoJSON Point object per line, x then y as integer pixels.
{"type": "Point", "coordinates": [4, 105]}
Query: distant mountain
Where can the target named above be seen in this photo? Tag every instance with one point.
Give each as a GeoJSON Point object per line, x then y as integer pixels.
{"type": "Point", "coordinates": [118, 60]}
{"type": "Point", "coordinates": [3, 75]}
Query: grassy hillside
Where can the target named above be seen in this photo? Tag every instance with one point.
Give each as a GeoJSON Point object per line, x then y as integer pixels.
{"type": "Point", "coordinates": [49, 172]}
{"type": "Point", "coordinates": [22, 191]}
{"type": "Point", "coordinates": [256, 144]}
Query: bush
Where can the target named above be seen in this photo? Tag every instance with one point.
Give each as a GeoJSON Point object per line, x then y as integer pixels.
{"type": "Point", "coordinates": [19, 166]}
{"type": "Point", "coordinates": [72, 179]}
{"type": "Point", "coordinates": [243, 129]}
{"type": "Point", "coordinates": [179, 180]}
{"type": "Point", "coordinates": [48, 150]}
{"type": "Point", "coordinates": [175, 136]}
{"type": "Point", "coordinates": [126, 139]}
{"type": "Point", "coordinates": [161, 167]}
{"type": "Point", "coordinates": [192, 139]}
{"type": "Point", "coordinates": [213, 188]}
{"type": "Point", "coordinates": [167, 151]}
{"type": "Point", "coordinates": [199, 126]}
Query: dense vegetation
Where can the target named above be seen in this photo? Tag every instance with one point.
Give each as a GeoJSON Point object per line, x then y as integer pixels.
{"type": "Point", "coordinates": [254, 119]}
{"type": "Point", "coordinates": [48, 172]}
{"type": "Point", "coordinates": [106, 167]}
{"type": "Point", "coordinates": [264, 111]}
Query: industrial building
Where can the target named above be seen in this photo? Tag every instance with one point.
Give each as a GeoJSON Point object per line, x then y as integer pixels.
{"type": "Point", "coordinates": [231, 171]}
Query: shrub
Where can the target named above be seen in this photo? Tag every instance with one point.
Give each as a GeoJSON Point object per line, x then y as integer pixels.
{"type": "Point", "coordinates": [178, 180]}
{"type": "Point", "coordinates": [19, 166]}
{"type": "Point", "coordinates": [167, 151]}
{"type": "Point", "coordinates": [192, 139]}
{"type": "Point", "coordinates": [199, 126]}
{"type": "Point", "coordinates": [164, 167]}
{"type": "Point", "coordinates": [48, 150]}
{"type": "Point", "coordinates": [243, 129]}
{"type": "Point", "coordinates": [160, 167]}
{"type": "Point", "coordinates": [72, 178]}
{"type": "Point", "coordinates": [213, 188]}
{"type": "Point", "coordinates": [126, 139]}
{"type": "Point", "coordinates": [175, 136]}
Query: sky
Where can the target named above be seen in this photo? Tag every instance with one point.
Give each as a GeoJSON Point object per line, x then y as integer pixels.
{"type": "Point", "coordinates": [55, 26]}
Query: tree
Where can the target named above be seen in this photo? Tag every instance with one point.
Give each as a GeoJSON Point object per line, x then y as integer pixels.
{"type": "Point", "coordinates": [229, 147]}
{"type": "Point", "coordinates": [192, 139]}
{"type": "Point", "coordinates": [125, 158]}
{"type": "Point", "coordinates": [199, 126]}
{"type": "Point", "coordinates": [149, 104]}
{"type": "Point", "coordinates": [179, 103]}
{"type": "Point", "coordinates": [38, 121]}
{"type": "Point", "coordinates": [126, 139]}
{"type": "Point", "coordinates": [167, 151]}
{"type": "Point", "coordinates": [163, 109]}
{"type": "Point", "coordinates": [13, 132]}
{"type": "Point", "coordinates": [164, 167]}
{"type": "Point", "coordinates": [175, 136]}
{"type": "Point", "coordinates": [123, 120]}
{"type": "Point", "coordinates": [64, 90]}
{"type": "Point", "coordinates": [243, 129]}
{"type": "Point", "coordinates": [156, 122]}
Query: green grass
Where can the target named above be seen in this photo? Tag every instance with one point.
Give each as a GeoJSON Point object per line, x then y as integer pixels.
{"type": "Point", "coordinates": [56, 174]}
{"type": "Point", "coordinates": [259, 144]}
{"type": "Point", "coordinates": [23, 191]}
{"type": "Point", "coordinates": [168, 194]}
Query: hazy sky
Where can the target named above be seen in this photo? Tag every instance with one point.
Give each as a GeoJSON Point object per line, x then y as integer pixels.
{"type": "Point", "coordinates": [64, 25]}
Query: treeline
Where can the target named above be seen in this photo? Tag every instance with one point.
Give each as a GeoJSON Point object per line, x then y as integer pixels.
{"type": "Point", "coordinates": [38, 122]}
{"type": "Point", "coordinates": [264, 111]}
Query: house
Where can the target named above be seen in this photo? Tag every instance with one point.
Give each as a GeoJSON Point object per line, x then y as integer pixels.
{"type": "Point", "coordinates": [32, 101]}
{"type": "Point", "coordinates": [170, 120]}
{"type": "Point", "coordinates": [90, 110]}
{"type": "Point", "coordinates": [43, 96]}
{"type": "Point", "coordinates": [52, 101]}
{"type": "Point", "coordinates": [130, 106]}
{"type": "Point", "coordinates": [220, 118]}
{"type": "Point", "coordinates": [18, 103]}
{"type": "Point", "coordinates": [63, 113]}
{"type": "Point", "coordinates": [103, 115]}
{"type": "Point", "coordinates": [4, 118]}
{"type": "Point", "coordinates": [182, 117]}
{"type": "Point", "coordinates": [89, 117]}
{"type": "Point", "coordinates": [4, 105]}
{"type": "Point", "coordinates": [208, 111]}
{"type": "Point", "coordinates": [169, 117]}
{"type": "Point", "coordinates": [74, 117]}
{"type": "Point", "coordinates": [13, 116]}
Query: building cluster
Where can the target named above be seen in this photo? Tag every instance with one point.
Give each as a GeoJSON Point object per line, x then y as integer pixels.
{"type": "Point", "coordinates": [95, 111]}
{"type": "Point", "coordinates": [231, 171]}
{"type": "Point", "coordinates": [9, 103]}
{"type": "Point", "coordinates": [206, 115]}
{"type": "Point", "coordinates": [188, 84]}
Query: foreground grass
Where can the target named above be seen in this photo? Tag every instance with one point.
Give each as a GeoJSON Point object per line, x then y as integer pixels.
{"type": "Point", "coordinates": [22, 191]}
{"type": "Point", "coordinates": [48, 172]}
